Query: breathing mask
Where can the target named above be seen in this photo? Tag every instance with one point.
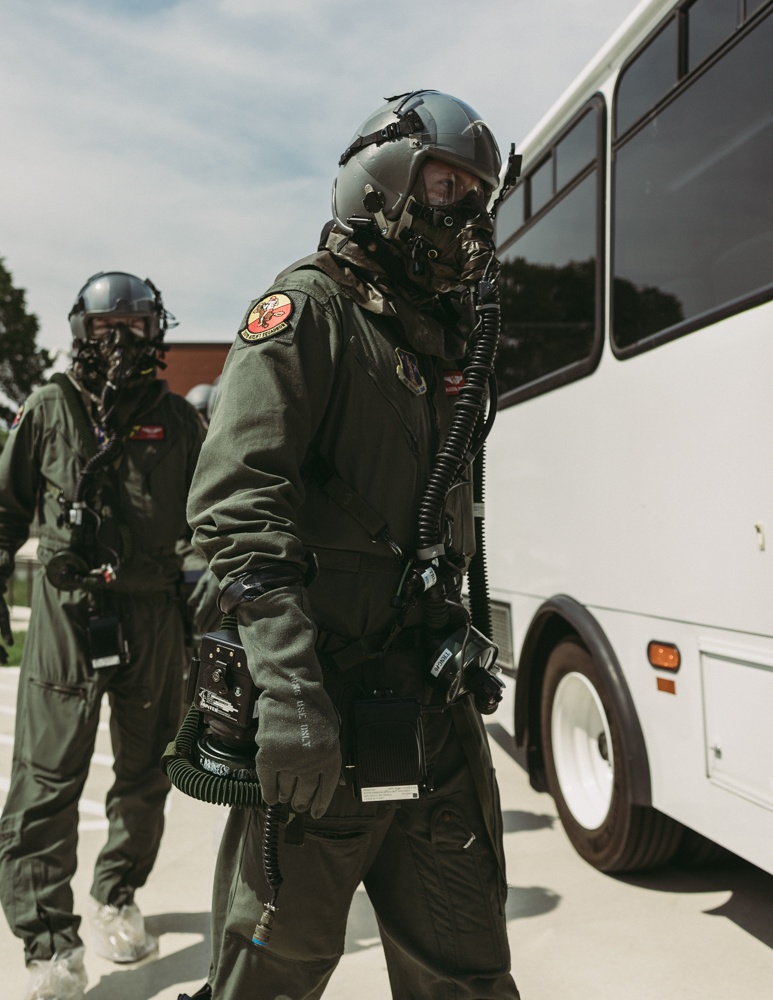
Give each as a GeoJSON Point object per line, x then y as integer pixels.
{"type": "Point", "coordinates": [118, 322]}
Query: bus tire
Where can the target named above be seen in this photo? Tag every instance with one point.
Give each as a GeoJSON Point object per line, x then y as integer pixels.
{"type": "Point", "coordinates": [584, 750]}
{"type": "Point", "coordinates": [697, 851]}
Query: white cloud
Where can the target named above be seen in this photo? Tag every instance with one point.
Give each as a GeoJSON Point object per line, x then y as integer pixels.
{"type": "Point", "coordinates": [196, 142]}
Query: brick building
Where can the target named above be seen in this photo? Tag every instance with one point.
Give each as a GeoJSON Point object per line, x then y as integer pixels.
{"type": "Point", "coordinates": [190, 363]}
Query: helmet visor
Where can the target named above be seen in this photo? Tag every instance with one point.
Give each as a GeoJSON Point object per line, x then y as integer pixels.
{"type": "Point", "coordinates": [440, 183]}
{"type": "Point", "coordinates": [103, 327]}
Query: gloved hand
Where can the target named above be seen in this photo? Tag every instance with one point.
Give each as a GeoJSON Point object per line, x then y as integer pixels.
{"type": "Point", "coordinates": [203, 603]}
{"type": "Point", "coordinates": [5, 630]}
{"type": "Point", "coordinates": [299, 754]}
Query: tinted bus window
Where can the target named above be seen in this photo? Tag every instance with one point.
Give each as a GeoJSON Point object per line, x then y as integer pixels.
{"type": "Point", "coordinates": [648, 78]}
{"type": "Point", "coordinates": [693, 204]}
{"type": "Point", "coordinates": [541, 187]}
{"type": "Point", "coordinates": [510, 214]}
{"type": "Point", "coordinates": [576, 150]}
{"type": "Point", "coordinates": [548, 292]}
{"type": "Point", "coordinates": [709, 23]}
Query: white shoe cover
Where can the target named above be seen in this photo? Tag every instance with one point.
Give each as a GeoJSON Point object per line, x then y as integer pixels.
{"type": "Point", "coordinates": [118, 932]}
{"type": "Point", "coordinates": [59, 978]}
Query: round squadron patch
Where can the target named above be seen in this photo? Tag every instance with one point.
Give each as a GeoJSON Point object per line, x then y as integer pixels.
{"type": "Point", "coordinates": [268, 318]}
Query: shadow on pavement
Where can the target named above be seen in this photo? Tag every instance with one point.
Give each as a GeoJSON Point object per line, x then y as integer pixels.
{"type": "Point", "coordinates": [147, 979]}
{"type": "Point", "coordinates": [517, 821]}
{"type": "Point", "coordinates": [529, 901]}
{"type": "Point", "coordinates": [749, 906]}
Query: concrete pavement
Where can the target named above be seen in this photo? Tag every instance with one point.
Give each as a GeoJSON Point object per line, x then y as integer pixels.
{"type": "Point", "coordinates": [676, 934]}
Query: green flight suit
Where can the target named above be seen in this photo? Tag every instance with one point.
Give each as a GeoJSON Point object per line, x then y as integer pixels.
{"type": "Point", "coordinates": [350, 379]}
{"type": "Point", "coordinates": [59, 690]}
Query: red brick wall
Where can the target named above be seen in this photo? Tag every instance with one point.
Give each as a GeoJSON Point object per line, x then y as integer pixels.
{"type": "Point", "coordinates": [189, 364]}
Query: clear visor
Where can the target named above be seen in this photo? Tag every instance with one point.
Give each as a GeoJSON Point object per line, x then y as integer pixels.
{"type": "Point", "coordinates": [101, 327]}
{"type": "Point", "coordinates": [442, 183]}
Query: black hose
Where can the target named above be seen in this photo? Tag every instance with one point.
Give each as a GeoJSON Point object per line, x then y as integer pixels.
{"type": "Point", "coordinates": [179, 764]}
{"type": "Point", "coordinates": [477, 576]}
{"type": "Point", "coordinates": [470, 405]}
{"type": "Point", "coordinates": [275, 814]}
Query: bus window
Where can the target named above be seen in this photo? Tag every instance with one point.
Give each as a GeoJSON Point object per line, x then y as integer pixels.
{"type": "Point", "coordinates": [548, 293]}
{"type": "Point", "coordinates": [647, 79]}
{"type": "Point", "coordinates": [541, 187]}
{"type": "Point", "coordinates": [510, 215]}
{"type": "Point", "coordinates": [692, 207]}
{"type": "Point", "coordinates": [576, 150]}
{"type": "Point", "coordinates": [550, 284]}
{"type": "Point", "coordinates": [709, 23]}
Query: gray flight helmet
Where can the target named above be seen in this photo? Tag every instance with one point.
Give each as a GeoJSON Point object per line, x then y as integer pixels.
{"type": "Point", "coordinates": [118, 293]}
{"type": "Point", "coordinates": [198, 396]}
{"type": "Point", "coordinates": [386, 154]}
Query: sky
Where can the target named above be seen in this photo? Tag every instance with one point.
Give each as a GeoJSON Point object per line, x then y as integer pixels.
{"type": "Point", "coordinates": [195, 142]}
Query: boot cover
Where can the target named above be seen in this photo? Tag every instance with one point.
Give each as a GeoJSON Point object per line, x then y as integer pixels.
{"type": "Point", "coordinates": [118, 932]}
{"type": "Point", "coordinates": [59, 978]}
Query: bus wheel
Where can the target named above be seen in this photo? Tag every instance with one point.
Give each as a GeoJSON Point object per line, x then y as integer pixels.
{"type": "Point", "coordinates": [584, 751]}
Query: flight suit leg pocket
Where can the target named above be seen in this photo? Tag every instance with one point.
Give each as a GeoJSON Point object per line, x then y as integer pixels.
{"type": "Point", "coordinates": [59, 727]}
{"type": "Point", "coordinates": [469, 882]}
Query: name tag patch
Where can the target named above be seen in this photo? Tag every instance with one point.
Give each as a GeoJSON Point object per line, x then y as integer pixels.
{"type": "Point", "coordinates": [453, 382]}
{"type": "Point", "coordinates": [147, 432]}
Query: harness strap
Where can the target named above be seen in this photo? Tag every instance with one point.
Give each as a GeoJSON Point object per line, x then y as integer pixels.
{"type": "Point", "coordinates": [345, 654]}
{"type": "Point", "coordinates": [75, 403]}
{"type": "Point", "coordinates": [408, 124]}
{"type": "Point", "coordinates": [328, 479]}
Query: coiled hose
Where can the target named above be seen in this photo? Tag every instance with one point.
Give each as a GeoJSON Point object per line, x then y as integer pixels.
{"type": "Point", "coordinates": [469, 407]}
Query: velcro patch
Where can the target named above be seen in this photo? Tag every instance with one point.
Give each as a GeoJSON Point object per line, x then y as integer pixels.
{"type": "Point", "coordinates": [147, 432]}
{"type": "Point", "coordinates": [453, 382]}
{"type": "Point", "coordinates": [268, 318]}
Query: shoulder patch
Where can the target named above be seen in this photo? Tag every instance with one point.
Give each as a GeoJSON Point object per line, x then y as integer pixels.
{"type": "Point", "coordinates": [268, 318]}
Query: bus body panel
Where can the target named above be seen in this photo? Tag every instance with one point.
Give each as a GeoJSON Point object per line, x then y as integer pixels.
{"type": "Point", "coordinates": [666, 462]}
{"type": "Point", "coordinates": [644, 491]}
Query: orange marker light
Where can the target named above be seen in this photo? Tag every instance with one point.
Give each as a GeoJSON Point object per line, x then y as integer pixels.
{"type": "Point", "coordinates": [664, 655]}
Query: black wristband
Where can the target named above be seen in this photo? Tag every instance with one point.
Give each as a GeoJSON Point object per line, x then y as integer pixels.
{"type": "Point", "coordinates": [251, 586]}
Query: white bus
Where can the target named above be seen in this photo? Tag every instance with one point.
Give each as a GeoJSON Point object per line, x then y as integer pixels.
{"type": "Point", "coordinates": [629, 493]}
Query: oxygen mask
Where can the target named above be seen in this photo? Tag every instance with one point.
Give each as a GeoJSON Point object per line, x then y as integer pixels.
{"type": "Point", "coordinates": [445, 230]}
{"type": "Point", "coordinates": [117, 353]}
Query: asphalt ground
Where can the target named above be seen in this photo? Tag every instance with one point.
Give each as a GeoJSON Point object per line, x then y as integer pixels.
{"type": "Point", "coordinates": [676, 933]}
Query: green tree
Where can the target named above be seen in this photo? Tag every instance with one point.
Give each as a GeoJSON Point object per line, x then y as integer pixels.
{"type": "Point", "coordinates": [22, 363]}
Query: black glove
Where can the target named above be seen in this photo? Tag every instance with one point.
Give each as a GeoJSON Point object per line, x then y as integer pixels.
{"type": "Point", "coordinates": [5, 630]}
{"type": "Point", "coordinates": [299, 755]}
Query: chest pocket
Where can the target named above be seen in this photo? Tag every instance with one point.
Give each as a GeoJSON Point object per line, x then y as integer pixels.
{"type": "Point", "coordinates": [153, 490]}
{"type": "Point", "coordinates": [409, 394]}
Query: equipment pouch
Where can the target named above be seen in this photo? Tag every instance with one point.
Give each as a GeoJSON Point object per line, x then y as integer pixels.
{"type": "Point", "coordinates": [107, 645]}
{"type": "Point", "coordinates": [388, 757]}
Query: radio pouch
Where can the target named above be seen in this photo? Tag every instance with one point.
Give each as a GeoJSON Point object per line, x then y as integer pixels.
{"type": "Point", "coordinates": [107, 645]}
{"type": "Point", "coordinates": [388, 750]}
